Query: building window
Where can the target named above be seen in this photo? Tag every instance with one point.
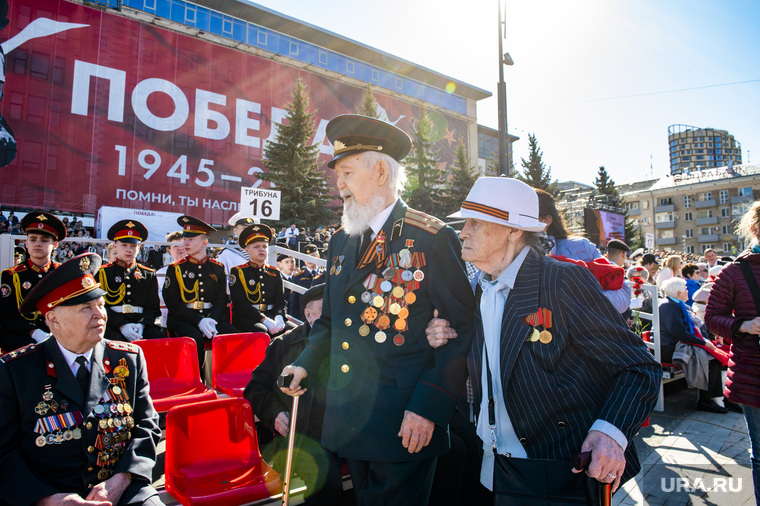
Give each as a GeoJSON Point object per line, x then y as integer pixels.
{"type": "Point", "coordinates": [375, 75]}
{"type": "Point", "coordinates": [705, 230]}
{"type": "Point", "coordinates": [705, 196]}
{"type": "Point", "coordinates": [707, 213]}
{"type": "Point", "coordinates": [705, 247]}
{"type": "Point", "coordinates": [745, 192]}
{"type": "Point", "coordinates": [726, 230]}
{"type": "Point", "coordinates": [349, 67]}
{"type": "Point", "coordinates": [687, 216]}
{"type": "Point", "coordinates": [322, 57]}
{"type": "Point", "coordinates": [739, 209]}
{"type": "Point", "coordinates": [645, 204]}
{"type": "Point", "coordinates": [689, 233]}
{"type": "Point", "coordinates": [686, 201]}
{"type": "Point", "coordinates": [689, 249]}
{"type": "Point", "coordinates": [399, 84]}
{"type": "Point", "coordinates": [726, 246]}
{"type": "Point", "coordinates": [666, 201]}
{"type": "Point", "coordinates": [725, 212]}
{"type": "Point", "coordinates": [633, 205]}
{"type": "Point", "coordinates": [663, 217]}
{"type": "Point", "coordinates": [665, 234]}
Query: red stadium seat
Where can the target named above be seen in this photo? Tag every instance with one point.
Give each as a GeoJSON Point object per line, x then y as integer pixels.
{"type": "Point", "coordinates": [173, 372]}
{"type": "Point", "coordinates": [233, 358]}
{"type": "Point", "coordinates": [212, 456]}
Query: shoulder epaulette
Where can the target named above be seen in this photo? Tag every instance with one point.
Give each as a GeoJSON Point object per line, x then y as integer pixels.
{"type": "Point", "coordinates": [23, 351]}
{"type": "Point", "coordinates": [180, 261]}
{"type": "Point", "coordinates": [56, 265]}
{"type": "Point", "coordinates": [272, 268]}
{"type": "Point", "coordinates": [424, 221]}
{"type": "Point", "coordinates": [271, 271]}
{"type": "Point", "coordinates": [106, 264]}
{"type": "Point", "coordinates": [122, 346]}
{"type": "Point", "coordinates": [297, 272]}
{"type": "Point", "coordinates": [19, 267]}
{"type": "Point", "coordinates": [215, 261]}
{"type": "Point", "coordinates": [146, 268]}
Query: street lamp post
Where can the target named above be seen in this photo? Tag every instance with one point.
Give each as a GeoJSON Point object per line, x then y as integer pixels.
{"type": "Point", "coordinates": [504, 59]}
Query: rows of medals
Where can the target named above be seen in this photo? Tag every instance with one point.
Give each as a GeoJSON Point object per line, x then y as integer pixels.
{"type": "Point", "coordinates": [390, 295]}
{"type": "Point", "coordinates": [54, 427]}
{"type": "Point", "coordinates": [113, 414]}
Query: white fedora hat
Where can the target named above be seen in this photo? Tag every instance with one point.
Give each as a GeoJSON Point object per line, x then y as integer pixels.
{"type": "Point", "coordinates": [504, 201]}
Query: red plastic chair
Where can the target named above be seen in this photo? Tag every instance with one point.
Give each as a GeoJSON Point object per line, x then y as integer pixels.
{"type": "Point", "coordinates": [173, 372]}
{"type": "Point", "coordinates": [234, 356]}
{"type": "Point", "coordinates": [212, 456]}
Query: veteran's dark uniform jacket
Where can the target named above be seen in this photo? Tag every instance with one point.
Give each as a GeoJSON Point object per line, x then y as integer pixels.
{"type": "Point", "coordinates": [15, 283]}
{"type": "Point", "coordinates": [370, 344]}
{"type": "Point", "coordinates": [55, 439]}
{"type": "Point", "coordinates": [131, 297]}
{"type": "Point", "coordinates": [195, 290]}
{"type": "Point", "coordinates": [256, 292]}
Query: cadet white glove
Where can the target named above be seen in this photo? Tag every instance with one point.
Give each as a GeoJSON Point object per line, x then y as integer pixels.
{"type": "Point", "coordinates": [207, 327]}
{"type": "Point", "coordinates": [270, 324]}
{"type": "Point", "coordinates": [128, 331]}
{"type": "Point", "coordinates": [40, 335]}
{"type": "Point", "coordinates": [280, 324]}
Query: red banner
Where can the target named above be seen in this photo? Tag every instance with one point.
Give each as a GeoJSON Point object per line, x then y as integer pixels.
{"type": "Point", "coordinates": [106, 110]}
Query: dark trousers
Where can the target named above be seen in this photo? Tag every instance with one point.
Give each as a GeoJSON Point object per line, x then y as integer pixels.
{"type": "Point", "coordinates": [392, 483]}
{"type": "Point", "coordinates": [193, 332]}
{"type": "Point", "coordinates": [149, 332]}
{"type": "Point", "coordinates": [457, 474]}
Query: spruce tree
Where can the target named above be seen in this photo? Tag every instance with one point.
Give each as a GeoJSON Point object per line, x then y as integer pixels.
{"type": "Point", "coordinates": [369, 104]}
{"type": "Point", "coordinates": [293, 167]}
{"type": "Point", "coordinates": [535, 173]}
{"type": "Point", "coordinates": [463, 176]}
{"type": "Point", "coordinates": [423, 191]}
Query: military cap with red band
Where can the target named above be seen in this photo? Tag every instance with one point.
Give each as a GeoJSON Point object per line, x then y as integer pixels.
{"type": "Point", "coordinates": [130, 231]}
{"type": "Point", "coordinates": [192, 226]}
{"type": "Point", "coordinates": [44, 223]}
{"type": "Point", "coordinates": [255, 233]}
{"type": "Point", "coordinates": [70, 284]}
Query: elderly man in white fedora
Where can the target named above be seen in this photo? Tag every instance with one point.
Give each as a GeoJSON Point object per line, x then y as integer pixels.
{"type": "Point", "coordinates": [563, 373]}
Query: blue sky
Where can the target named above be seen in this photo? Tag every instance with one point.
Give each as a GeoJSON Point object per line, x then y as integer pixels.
{"type": "Point", "coordinates": [594, 80]}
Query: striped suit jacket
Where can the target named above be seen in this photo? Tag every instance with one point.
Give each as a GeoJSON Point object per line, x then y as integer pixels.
{"type": "Point", "coordinates": [593, 368]}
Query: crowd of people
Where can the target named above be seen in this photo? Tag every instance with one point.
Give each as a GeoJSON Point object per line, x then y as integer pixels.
{"type": "Point", "coordinates": [492, 365]}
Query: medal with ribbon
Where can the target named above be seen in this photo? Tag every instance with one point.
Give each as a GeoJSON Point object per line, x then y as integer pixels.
{"type": "Point", "coordinates": [541, 318]}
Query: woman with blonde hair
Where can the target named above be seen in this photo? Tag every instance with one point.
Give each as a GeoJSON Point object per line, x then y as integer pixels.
{"type": "Point", "coordinates": [733, 312]}
{"type": "Point", "coordinates": [671, 268]}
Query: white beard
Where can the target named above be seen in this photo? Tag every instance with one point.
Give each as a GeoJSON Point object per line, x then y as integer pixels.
{"type": "Point", "coordinates": [356, 217]}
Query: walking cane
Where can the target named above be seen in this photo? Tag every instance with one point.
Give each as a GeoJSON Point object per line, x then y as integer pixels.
{"type": "Point", "coordinates": [284, 382]}
{"type": "Point", "coordinates": [581, 462]}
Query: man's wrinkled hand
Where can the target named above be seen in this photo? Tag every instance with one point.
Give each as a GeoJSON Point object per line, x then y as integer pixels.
{"type": "Point", "coordinates": [110, 491]}
{"type": "Point", "coordinates": [299, 373]}
{"type": "Point", "coordinates": [282, 423]}
{"type": "Point", "coordinates": [416, 432]}
{"type": "Point", "coordinates": [438, 331]}
{"type": "Point", "coordinates": [607, 458]}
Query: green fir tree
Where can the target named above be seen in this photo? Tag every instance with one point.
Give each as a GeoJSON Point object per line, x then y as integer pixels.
{"type": "Point", "coordinates": [293, 167]}
{"type": "Point", "coordinates": [369, 104]}
{"type": "Point", "coordinates": [424, 189]}
{"type": "Point", "coordinates": [535, 173]}
{"type": "Point", "coordinates": [463, 176]}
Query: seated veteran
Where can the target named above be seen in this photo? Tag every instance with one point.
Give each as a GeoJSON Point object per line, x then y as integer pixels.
{"type": "Point", "coordinates": [131, 288]}
{"type": "Point", "coordinates": [319, 468]}
{"type": "Point", "coordinates": [258, 298]}
{"type": "Point", "coordinates": [77, 425]}
{"type": "Point", "coordinates": [195, 289]}
{"type": "Point", "coordinates": [43, 232]}
{"type": "Point", "coordinates": [306, 277]}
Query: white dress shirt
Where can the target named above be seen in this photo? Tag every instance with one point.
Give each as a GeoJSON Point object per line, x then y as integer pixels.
{"type": "Point", "coordinates": [71, 358]}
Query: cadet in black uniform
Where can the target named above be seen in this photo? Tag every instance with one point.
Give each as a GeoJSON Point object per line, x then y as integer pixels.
{"type": "Point", "coordinates": [43, 232]}
{"type": "Point", "coordinates": [76, 420]}
{"type": "Point", "coordinates": [389, 395]}
{"type": "Point", "coordinates": [305, 277]}
{"type": "Point", "coordinates": [195, 290]}
{"type": "Point", "coordinates": [258, 298]}
{"type": "Point", "coordinates": [131, 288]}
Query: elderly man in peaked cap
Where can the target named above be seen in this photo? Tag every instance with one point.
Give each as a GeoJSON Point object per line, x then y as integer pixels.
{"type": "Point", "coordinates": [389, 395]}
{"type": "Point", "coordinates": [77, 424]}
{"type": "Point", "coordinates": [565, 373]}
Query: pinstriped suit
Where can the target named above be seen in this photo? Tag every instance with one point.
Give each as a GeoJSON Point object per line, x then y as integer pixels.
{"type": "Point", "coordinates": [594, 368]}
